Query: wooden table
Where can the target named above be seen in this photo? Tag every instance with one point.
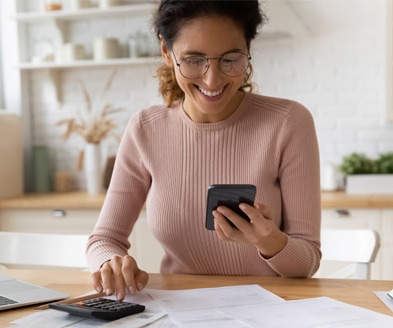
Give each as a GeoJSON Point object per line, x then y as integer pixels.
{"type": "Point", "coordinates": [74, 283]}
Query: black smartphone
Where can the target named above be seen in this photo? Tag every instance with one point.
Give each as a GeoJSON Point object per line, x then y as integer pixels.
{"type": "Point", "coordinates": [229, 195]}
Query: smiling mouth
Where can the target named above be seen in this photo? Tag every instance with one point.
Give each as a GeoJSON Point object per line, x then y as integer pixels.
{"type": "Point", "coordinates": [210, 93]}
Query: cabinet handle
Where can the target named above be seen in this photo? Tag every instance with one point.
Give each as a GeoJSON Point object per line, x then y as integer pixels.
{"type": "Point", "coordinates": [341, 213]}
{"type": "Point", "coordinates": [59, 213]}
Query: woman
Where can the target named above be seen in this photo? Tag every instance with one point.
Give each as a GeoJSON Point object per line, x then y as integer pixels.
{"type": "Point", "coordinates": [211, 130]}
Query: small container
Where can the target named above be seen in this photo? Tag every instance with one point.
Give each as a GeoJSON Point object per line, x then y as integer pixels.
{"type": "Point", "coordinates": [329, 177]}
{"type": "Point", "coordinates": [109, 3]}
{"type": "Point", "coordinates": [105, 48]}
{"type": "Point", "coordinates": [63, 181]}
{"type": "Point", "coordinates": [73, 52]}
{"type": "Point", "coordinates": [41, 169]}
{"type": "Point", "coordinates": [53, 5]}
{"type": "Point", "coordinates": [138, 45]}
{"type": "Point", "coordinates": [80, 4]}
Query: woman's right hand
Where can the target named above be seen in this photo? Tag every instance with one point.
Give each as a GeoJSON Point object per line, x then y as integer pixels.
{"type": "Point", "coordinates": [120, 276]}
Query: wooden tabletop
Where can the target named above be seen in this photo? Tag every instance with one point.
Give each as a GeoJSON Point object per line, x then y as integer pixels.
{"type": "Point", "coordinates": [75, 282]}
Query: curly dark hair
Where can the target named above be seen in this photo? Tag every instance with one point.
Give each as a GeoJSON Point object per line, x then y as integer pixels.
{"type": "Point", "coordinates": [172, 14]}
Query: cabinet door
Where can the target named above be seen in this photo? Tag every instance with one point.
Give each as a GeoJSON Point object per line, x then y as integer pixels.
{"type": "Point", "coordinates": [354, 219]}
{"type": "Point", "coordinates": [350, 218]}
{"type": "Point", "coordinates": [49, 221]}
{"type": "Point", "coordinates": [387, 241]}
{"type": "Point", "coordinates": [144, 247]}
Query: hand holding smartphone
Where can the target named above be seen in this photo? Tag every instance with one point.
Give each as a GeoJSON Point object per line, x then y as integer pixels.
{"type": "Point", "coordinates": [229, 195]}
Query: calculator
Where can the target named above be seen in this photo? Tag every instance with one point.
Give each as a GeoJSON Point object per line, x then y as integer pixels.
{"type": "Point", "coordinates": [100, 307]}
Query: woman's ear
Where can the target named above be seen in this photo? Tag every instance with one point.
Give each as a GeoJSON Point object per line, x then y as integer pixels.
{"type": "Point", "coordinates": [166, 53]}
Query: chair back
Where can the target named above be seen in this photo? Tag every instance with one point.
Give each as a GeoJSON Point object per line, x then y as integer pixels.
{"type": "Point", "coordinates": [357, 248]}
{"type": "Point", "coordinates": [22, 249]}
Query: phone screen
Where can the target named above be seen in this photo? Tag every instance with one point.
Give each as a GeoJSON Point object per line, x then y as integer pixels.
{"type": "Point", "coordinates": [229, 195]}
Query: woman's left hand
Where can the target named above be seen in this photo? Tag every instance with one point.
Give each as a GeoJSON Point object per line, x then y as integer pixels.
{"type": "Point", "coordinates": [261, 231]}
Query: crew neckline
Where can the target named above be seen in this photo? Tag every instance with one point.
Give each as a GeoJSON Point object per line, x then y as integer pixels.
{"type": "Point", "coordinates": [234, 117]}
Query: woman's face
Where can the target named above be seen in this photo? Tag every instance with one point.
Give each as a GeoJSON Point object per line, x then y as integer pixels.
{"type": "Point", "coordinates": [213, 96]}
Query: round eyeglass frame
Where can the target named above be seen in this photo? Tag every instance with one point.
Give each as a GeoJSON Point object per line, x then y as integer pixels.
{"type": "Point", "coordinates": [207, 59]}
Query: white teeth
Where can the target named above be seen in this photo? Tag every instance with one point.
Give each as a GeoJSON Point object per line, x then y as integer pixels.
{"type": "Point", "coordinates": [210, 93]}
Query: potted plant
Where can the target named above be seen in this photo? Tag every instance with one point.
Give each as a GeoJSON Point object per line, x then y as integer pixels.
{"type": "Point", "coordinates": [364, 175]}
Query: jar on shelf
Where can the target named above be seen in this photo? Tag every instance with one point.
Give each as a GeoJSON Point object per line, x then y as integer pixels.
{"type": "Point", "coordinates": [79, 4]}
{"type": "Point", "coordinates": [109, 3]}
{"type": "Point", "coordinates": [52, 5]}
{"type": "Point", "coordinates": [138, 44]}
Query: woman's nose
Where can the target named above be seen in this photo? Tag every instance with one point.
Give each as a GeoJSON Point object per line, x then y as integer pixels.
{"type": "Point", "coordinates": [213, 75]}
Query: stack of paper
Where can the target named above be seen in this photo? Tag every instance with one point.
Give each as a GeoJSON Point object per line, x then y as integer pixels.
{"type": "Point", "coordinates": [235, 307]}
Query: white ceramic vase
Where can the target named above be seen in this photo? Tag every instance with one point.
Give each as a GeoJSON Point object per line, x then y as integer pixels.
{"type": "Point", "coordinates": [93, 169]}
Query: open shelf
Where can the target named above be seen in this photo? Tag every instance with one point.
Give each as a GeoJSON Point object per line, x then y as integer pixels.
{"type": "Point", "coordinates": [91, 63]}
{"type": "Point", "coordinates": [83, 13]}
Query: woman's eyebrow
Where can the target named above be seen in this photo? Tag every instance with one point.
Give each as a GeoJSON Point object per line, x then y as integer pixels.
{"type": "Point", "coordinates": [198, 53]}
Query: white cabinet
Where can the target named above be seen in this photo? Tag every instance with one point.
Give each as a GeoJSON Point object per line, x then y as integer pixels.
{"type": "Point", "coordinates": [48, 221]}
{"type": "Point", "coordinates": [380, 220]}
{"type": "Point", "coordinates": [144, 247]}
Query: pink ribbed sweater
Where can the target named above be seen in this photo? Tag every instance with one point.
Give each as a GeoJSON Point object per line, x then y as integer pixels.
{"type": "Point", "coordinates": [168, 161]}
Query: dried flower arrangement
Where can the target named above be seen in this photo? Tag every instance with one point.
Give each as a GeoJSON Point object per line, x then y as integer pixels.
{"type": "Point", "coordinates": [92, 125]}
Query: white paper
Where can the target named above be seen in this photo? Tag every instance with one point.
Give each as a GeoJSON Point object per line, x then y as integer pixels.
{"type": "Point", "coordinates": [309, 313]}
{"type": "Point", "coordinates": [206, 298]}
{"type": "Point", "coordinates": [198, 308]}
{"type": "Point", "coordinates": [383, 296]}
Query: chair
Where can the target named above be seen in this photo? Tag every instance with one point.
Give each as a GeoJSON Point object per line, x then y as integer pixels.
{"type": "Point", "coordinates": [356, 248]}
{"type": "Point", "coordinates": [21, 249]}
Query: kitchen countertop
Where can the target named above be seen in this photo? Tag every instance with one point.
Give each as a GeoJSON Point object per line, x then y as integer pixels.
{"type": "Point", "coordinates": [339, 199]}
{"type": "Point", "coordinates": [81, 200]}
{"type": "Point", "coordinates": [72, 200]}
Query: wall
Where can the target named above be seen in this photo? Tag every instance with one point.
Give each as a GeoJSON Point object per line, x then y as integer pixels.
{"type": "Point", "coordinates": [133, 88]}
{"type": "Point", "coordinates": [337, 71]}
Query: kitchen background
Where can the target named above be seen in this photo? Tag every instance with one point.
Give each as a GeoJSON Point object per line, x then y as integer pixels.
{"type": "Point", "coordinates": [332, 56]}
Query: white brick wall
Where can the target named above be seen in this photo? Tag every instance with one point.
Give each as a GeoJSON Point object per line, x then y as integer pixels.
{"type": "Point", "coordinates": [133, 89]}
{"type": "Point", "coordinates": [339, 75]}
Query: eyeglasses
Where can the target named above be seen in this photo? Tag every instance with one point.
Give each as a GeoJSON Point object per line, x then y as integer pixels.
{"type": "Point", "coordinates": [232, 64]}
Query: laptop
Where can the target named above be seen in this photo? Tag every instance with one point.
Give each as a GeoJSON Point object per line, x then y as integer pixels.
{"type": "Point", "coordinates": [17, 293]}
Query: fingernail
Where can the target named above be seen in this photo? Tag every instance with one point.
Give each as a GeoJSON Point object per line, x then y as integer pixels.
{"type": "Point", "coordinates": [99, 289]}
{"type": "Point", "coordinates": [139, 286]}
{"type": "Point", "coordinates": [120, 296]}
{"type": "Point", "coordinates": [131, 290]}
{"type": "Point", "coordinates": [108, 291]}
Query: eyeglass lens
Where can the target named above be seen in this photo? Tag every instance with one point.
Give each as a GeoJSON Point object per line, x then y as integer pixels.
{"type": "Point", "coordinates": [231, 64]}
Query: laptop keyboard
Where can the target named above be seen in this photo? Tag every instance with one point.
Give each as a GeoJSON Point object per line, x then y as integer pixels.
{"type": "Point", "coordinates": [6, 301]}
